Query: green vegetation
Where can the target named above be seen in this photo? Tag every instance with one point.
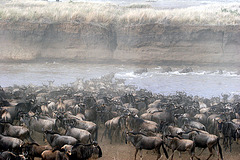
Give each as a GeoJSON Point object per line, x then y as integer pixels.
{"type": "Point", "coordinates": [107, 13]}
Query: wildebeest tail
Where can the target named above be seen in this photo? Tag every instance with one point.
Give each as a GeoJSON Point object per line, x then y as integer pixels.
{"type": "Point", "coordinates": [220, 149]}
{"type": "Point", "coordinates": [164, 150]}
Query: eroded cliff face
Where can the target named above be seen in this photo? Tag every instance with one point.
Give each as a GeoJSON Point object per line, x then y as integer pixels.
{"type": "Point", "coordinates": [150, 43]}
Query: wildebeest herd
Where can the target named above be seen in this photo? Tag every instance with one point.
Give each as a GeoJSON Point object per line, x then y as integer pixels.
{"type": "Point", "coordinates": [69, 116]}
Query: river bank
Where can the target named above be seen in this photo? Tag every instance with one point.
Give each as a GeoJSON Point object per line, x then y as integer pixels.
{"type": "Point", "coordinates": [107, 33]}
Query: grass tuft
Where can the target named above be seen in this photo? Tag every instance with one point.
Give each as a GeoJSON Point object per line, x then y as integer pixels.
{"type": "Point", "coordinates": [108, 13]}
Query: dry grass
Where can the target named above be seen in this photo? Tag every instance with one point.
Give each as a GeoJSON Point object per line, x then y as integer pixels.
{"type": "Point", "coordinates": [107, 13]}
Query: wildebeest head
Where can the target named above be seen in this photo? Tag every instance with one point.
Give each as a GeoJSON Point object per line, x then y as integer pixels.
{"type": "Point", "coordinates": [220, 124]}
{"type": "Point", "coordinates": [67, 149]}
{"type": "Point", "coordinates": [49, 136]}
{"type": "Point", "coordinates": [96, 149]}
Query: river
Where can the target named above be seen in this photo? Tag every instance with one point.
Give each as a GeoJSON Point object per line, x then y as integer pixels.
{"type": "Point", "coordinates": [203, 81]}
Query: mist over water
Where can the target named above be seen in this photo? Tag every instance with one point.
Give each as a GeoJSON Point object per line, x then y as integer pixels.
{"type": "Point", "coordinates": [205, 83]}
{"type": "Point", "coordinates": [161, 4]}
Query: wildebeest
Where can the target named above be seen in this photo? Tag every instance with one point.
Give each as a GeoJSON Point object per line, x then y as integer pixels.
{"type": "Point", "coordinates": [20, 132]}
{"type": "Point", "coordinates": [205, 140]}
{"type": "Point", "coordinates": [87, 125]}
{"type": "Point", "coordinates": [8, 114]}
{"type": "Point", "coordinates": [114, 126]}
{"type": "Point", "coordinates": [197, 125]}
{"type": "Point", "coordinates": [141, 141]}
{"type": "Point", "coordinates": [83, 151]}
{"type": "Point", "coordinates": [202, 118]}
{"type": "Point", "coordinates": [91, 127]}
{"type": "Point", "coordinates": [10, 143]}
{"type": "Point", "coordinates": [180, 145]}
{"type": "Point", "coordinates": [38, 124]}
{"type": "Point", "coordinates": [54, 155]}
{"type": "Point", "coordinates": [5, 116]}
{"type": "Point", "coordinates": [81, 135]}
{"type": "Point", "coordinates": [229, 130]}
{"type": "Point", "coordinates": [137, 124]}
{"type": "Point", "coordinates": [11, 156]}
{"type": "Point", "coordinates": [61, 106]}
{"type": "Point", "coordinates": [173, 131]}
{"type": "Point", "coordinates": [57, 141]}
{"type": "Point", "coordinates": [34, 150]}
{"type": "Point", "coordinates": [25, 106]}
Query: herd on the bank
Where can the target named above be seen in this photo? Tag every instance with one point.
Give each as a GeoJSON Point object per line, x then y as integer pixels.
{"type": "Point", "coordinates": [68, 118]}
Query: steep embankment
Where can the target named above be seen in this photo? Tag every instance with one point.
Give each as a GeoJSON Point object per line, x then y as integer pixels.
{"type": "Point", "coordinates": [125, 35]}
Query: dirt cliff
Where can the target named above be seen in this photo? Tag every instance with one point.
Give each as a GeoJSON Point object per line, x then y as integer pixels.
{"type": "Point", "coordinates": [145, 43]}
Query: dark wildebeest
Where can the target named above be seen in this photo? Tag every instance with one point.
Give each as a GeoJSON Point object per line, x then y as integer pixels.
{"type": "Point", "coordinates": [34, 150]}
{"type": "Point", "coordinates": [195, 124]}
{"type": "Point", "coordinates": [8, 114]}
{"type": "Point", "coordinates": [91, 127]}
{"type": "Point", "coordinates": [57, 141]}
{"type": "Point", "coordinates": [11, 156]}
{"type": "Point", "coordinates": [20, 132]}
{"type": "Point", "coordinates": [10, 143]}
{"type": "Point", "coordinates": [137, 124]}
{"type": "Point", "coordinates": [38, 124]}
{"type": "Point", "coordinates": [86, 125]}
{"type": "Point", "coordinates": [206, 140]}
{"type": "Point", "coordinates": [229, 130]}
{"type": "Point", "coordinates": [83, 151]}
{"type": "Point", "coordinates": [25, 106]}
{"type": "Point", "coordinates": [141, 141]}
{"type": "Point", "coordinates": [180, 145]}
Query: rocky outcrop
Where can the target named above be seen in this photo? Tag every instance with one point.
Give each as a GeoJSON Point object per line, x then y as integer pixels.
{"type": "Point", "coordinates": [145, 43]}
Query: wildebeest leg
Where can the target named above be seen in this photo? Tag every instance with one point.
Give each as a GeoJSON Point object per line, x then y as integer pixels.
{"type": "Point", "coordinates": [113, 135]}
{"type": "Point", "coordinates": [141, 154]}
{"type": "Point", "coordinates": [236, 134]}
{"type": "Point", "coordinates": [122, 135]}
{"type": "Point", "coordinates": [201, 151]}
{"type": "Point", "coordinates": [118, 133]}
{"type": "Point", "coordinates": [104, 134]}
{"type": "Point", "coordinates": [195, 156]}
{"type": "Point", "coordinates": [210, 150]}
{"type": "Point", "coordinates": [219, 149]}
{"type": "Point", "coordinates": [230, 143]}
{"type": "Point", "coordinates": [192, 154]}
{"type": "Point", "coordinates": [159, 153]}
{"type": "Point", "coordinates": [226, 143]}
{"type": "Point", "coordinates": [164, 150]}
{"type": "Point", "coordinates": [172, 154]}
{"type": "Point", "coordinates": [136, 153]}
{"type": "Point", "coordinates": [215, 148]}
{"type": "Point", "coordinates": [179, 155]}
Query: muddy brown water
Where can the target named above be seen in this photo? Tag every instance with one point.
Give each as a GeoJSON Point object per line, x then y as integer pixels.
{"type": "Point", "coordinates": [122, 151]}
